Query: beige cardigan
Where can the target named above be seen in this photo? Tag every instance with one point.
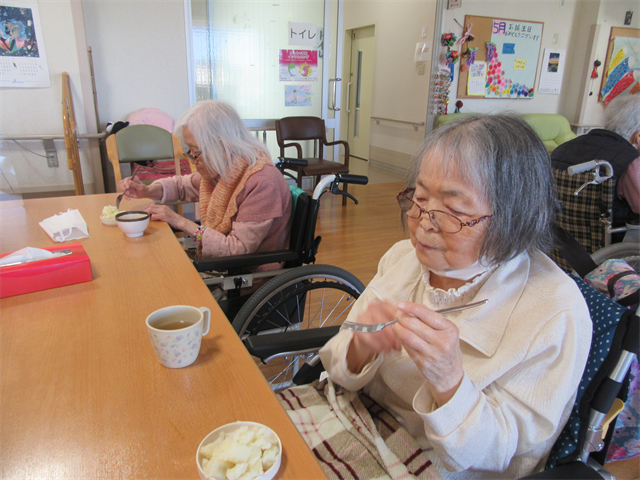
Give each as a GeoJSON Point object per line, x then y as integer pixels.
{"type": "Point", "coordinates": [523, 355]}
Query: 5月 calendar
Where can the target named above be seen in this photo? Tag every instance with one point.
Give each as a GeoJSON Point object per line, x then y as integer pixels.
{"type": "Point", "coordinates": [23, 62]}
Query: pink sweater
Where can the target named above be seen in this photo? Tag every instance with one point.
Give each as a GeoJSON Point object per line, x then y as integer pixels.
{"type": "Point", "coordinates": [263, 221]}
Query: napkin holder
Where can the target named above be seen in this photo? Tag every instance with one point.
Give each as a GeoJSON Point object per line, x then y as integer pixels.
{"type": "Point", "coordinates": [45, 274]}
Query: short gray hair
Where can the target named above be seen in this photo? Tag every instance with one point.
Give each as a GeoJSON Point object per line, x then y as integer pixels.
{"type": "Point", "coordinates": [622, 115]}
{"type": "Point", "coordinates": [503, 157]}
{"type": "Point", "coordinates": [221, 135]}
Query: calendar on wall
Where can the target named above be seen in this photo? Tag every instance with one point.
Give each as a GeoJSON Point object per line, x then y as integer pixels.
{"type": "Point", "coordinates": [23, 62]}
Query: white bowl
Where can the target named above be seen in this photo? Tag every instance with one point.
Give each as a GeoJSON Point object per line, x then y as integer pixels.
{"type": "Point", "coordinates": [133, 223]}
{"type": "Point", "coordinates": [110, 222]}
{"type": "Point", "coordinates": [231, 427]}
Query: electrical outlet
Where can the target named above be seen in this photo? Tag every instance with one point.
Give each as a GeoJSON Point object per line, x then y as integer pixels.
{"type": "Point", "coordinates": [51, 152]}
{"type": "Point", "coordinates": [421, 69]}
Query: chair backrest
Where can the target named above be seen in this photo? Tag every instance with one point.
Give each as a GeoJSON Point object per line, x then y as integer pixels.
{"type": "Point", "coordinates": [139, 143]}
{"type": "Point", "coordinates": [580, 215]}
{"type": "Point", "coordinates": [301, 128]}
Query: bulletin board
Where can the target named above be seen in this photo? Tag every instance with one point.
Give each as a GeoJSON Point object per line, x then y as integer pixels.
{"type": "Point", "coordinates": [512, 71]}
{"type": "Point", "coordinates": [622, 64]}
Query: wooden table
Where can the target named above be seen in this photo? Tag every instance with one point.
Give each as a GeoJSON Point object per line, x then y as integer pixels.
{"type": "Point", "coordinates": [82, 394]}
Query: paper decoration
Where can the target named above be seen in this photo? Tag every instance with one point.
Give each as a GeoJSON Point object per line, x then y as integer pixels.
{"type": "Point", "coordinates": [477, 78]}
{"type": "Point", "coordinates": [297, 95]}
{"type": "Point", "coordinates": [512, 56]}
{"type": "Point", "coordinates": [442, 84]}
{"type": "Point", "coordinates": [623, 70]}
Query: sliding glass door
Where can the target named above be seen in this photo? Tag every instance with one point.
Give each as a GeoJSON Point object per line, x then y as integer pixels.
{"type": "Point", "coordinates": [269, 59]}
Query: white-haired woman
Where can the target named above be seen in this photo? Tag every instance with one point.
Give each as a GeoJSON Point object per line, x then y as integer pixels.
{"type": "Point", "coordinates": [245, 203]}
{"type": "Point", "coordinates": [484, 392]}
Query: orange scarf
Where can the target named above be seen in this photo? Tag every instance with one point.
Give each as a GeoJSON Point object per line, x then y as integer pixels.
{"type": "Point", "coordinates": [218, 201]}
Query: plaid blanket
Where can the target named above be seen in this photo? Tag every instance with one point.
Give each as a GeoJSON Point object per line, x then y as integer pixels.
{"type": "Point", "coordinates": [352, 436]}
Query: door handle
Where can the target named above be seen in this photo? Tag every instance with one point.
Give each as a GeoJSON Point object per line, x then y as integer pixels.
{"type": "Point", "coordinates": [334, 93]}
{"type": "Point", "coordinates": [348, 97]}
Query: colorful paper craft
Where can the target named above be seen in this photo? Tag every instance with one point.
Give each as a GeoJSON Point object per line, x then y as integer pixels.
{"type": "Point", "coordinates": [615, 75]}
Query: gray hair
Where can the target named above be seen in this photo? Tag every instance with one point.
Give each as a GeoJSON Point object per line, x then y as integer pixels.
{"type": "Point", "coordinates": [622, 115]}
{"type": "Point", "coordinates": [221, 135]}
{"type": "Point", "coordinates": [504, 159]}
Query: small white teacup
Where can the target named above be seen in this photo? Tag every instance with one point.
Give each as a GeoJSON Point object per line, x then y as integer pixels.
{"type": "Point", "coordinates": [176, 333]}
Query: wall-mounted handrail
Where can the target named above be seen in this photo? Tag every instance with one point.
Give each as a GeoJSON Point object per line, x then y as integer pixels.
{"type": "Point", "coordinates": [414, 124]}
{"type": "Point", "coordinates": [80, 136]}
{"type": "Point", "coordinates": [70, 134]}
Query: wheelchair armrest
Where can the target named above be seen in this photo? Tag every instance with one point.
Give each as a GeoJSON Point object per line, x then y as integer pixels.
{"type": "Point", "coordinates": [298, 148]}
{"type": "Point", "coordinates": [573, 471]}
{"type": "Point", "coordinates": [264, 346]}
{"type": "Point", "coordinates": [243, 261]}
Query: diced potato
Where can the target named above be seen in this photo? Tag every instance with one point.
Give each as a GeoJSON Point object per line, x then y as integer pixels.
{"type": "Point", "coordinates": [236, 472]}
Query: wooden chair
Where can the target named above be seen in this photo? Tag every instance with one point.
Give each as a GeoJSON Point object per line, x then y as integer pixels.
{"type": "Point", "coordinates": [139, 143]}
{"type": "Point", "coordinates": [310, 128]}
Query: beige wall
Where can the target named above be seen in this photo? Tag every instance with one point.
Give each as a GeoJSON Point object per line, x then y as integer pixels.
{"type": "Point", "coordinates": [38, 111]}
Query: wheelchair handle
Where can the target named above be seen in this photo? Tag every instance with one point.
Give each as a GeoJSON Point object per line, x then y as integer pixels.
{"type": "Point", "coordinates": [283, 162]}
{"type": "Point", "coordinates": [593, 165]}
{"type": "Point", "coordinates": [355, 179]}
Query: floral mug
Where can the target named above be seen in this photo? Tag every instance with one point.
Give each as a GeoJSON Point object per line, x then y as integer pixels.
{"type": "Point", "coordinates": [176, 333]}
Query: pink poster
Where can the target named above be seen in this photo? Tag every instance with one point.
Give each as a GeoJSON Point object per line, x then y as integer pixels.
{"type": "Point", "coordinates": [298, 65]}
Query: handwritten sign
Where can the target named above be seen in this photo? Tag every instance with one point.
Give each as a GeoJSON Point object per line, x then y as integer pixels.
{"type": "Point", "coordinates": [499, 27]}
{"type": "Point", "coordinates": [303, 34]}
{"type": "Point", "coordinates": [508, 48]}
{"type": "Point", "coordinates": [520, 64]}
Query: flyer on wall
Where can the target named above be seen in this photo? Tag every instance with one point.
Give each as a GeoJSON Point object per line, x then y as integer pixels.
{"type": "Point", "coordinates": [298, 65]}
{"type": "Point", "coordinates": [23, 62]}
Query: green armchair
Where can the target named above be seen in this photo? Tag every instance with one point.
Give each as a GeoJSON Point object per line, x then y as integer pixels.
{"type": "Point", "coordinates": [553, 129]}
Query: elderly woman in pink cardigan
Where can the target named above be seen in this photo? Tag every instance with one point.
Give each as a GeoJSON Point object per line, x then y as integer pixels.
{"type": "Point", "coordinates": [245, 203]}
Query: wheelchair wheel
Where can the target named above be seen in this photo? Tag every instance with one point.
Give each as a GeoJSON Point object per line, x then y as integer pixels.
{"type": "Point", "coordinates": [295, 304]}
{"type": "Point", "coordinates": [628, 251]}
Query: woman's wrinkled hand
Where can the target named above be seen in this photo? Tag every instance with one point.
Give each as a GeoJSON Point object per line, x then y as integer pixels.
{"type": "Point", "coordinates": [133, 188]}
{"type": "Point", "coordinates": [364, 346]}
{"type": "Point", "coordinates": [162, 213]}
{"type": "Point", "coordinates": [433, 343]}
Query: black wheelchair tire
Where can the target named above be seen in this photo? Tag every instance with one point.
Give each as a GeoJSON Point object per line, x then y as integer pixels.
{"type": "Point", "coordinates": [307, 282]}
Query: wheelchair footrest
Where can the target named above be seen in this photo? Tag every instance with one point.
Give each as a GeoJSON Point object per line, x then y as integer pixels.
{"type": "Point", "coordinates": [267, 345]}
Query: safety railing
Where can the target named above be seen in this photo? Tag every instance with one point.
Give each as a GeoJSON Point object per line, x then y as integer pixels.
{"type": "Point", "coordinates": [414, 124]}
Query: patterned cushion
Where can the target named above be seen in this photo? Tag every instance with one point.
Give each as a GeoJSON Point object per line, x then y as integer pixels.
{"type": "Point", "coordinates": [605, 315]}
{"type": "Point", "coordinates": [580, 215]}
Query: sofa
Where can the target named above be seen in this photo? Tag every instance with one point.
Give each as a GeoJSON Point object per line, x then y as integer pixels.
{"type": "Point", "coordinates": [553, 129]}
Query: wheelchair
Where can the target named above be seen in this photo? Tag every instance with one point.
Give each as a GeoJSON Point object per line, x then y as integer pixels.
{"type": "Point", "coordinates": [285, 321]}
{"type": "Point", "coordinates": [586, 193]}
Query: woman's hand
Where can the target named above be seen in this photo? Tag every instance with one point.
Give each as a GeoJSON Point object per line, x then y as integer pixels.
{"type": "Point", "coordinates": [134, 188]}
{"type": "Point", "coordinates": [365, 345]}
{"type": "Point", "coordinates": [162, 213]}
{"type": "Point", "coordinates": [433, 344]}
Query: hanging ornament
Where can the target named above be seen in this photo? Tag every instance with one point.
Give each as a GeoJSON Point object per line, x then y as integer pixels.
{"type": "Point", "coordinates": [458, 106]}
{"type": "Point", "coordinates": [452, 56]}
{"type": "Point", "coordinates": [448, 39]}
{"type": "Point", "coordinates": [470, 55]}
{"type": "Point", "coordinates": [491, 51]}
{"type": "Point", "coordinates": [596, 64]}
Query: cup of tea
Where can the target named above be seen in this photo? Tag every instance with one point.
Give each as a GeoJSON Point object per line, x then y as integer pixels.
{"type": "Point", "coordinates": [176, 333]}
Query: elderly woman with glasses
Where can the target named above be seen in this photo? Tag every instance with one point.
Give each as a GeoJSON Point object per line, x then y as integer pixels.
{"type": "Point", "coordinates": [245, 203]}
{"type": "Point", "coordinates": [486, 391]}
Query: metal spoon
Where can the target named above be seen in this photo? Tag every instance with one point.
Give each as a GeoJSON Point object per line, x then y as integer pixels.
{"type": "Point", "coordinates": [119, 199]}
{"type": "Point", "coordinates": [365, 328]}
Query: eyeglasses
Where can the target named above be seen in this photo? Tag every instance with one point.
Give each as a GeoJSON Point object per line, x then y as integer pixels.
{"type": "Point", "coordinates": [192, 158]}
{"type": "Point", "coordinates": [443, 221]}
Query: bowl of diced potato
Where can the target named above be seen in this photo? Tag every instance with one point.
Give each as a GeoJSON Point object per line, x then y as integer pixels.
{"type": "Point", "coordinates": [240, 450]}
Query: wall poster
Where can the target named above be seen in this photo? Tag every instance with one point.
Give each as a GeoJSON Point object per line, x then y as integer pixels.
{"type": "Point", "coordinates": [298, 65]}
{"type": "Point", "coordinates": [23, 63]}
